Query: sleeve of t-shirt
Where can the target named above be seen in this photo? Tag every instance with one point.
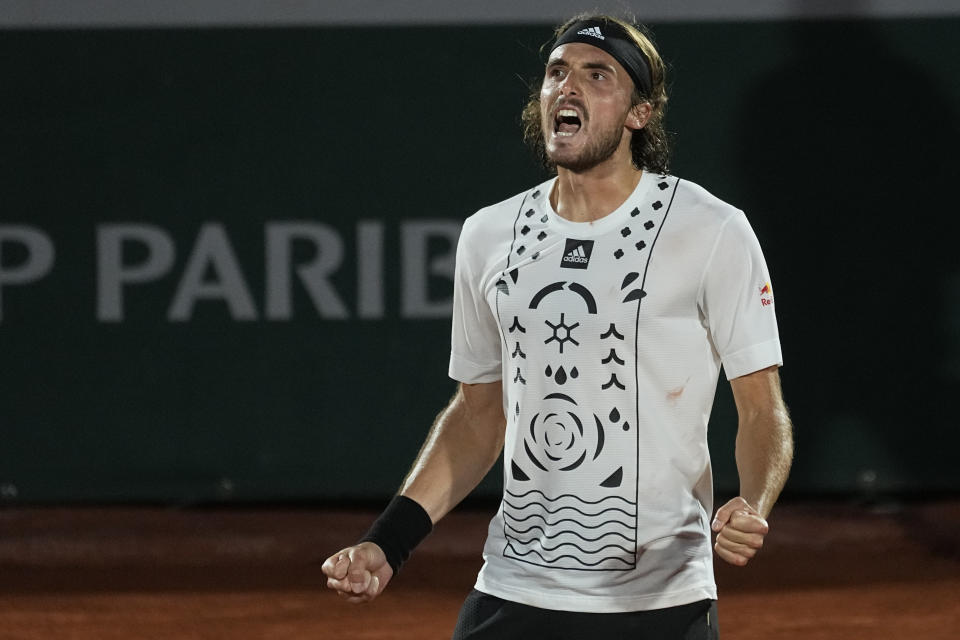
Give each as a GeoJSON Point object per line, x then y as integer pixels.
{"type": "Point", "coordinates": [475, 353]}
{"type": "Point", "coordinates": [737, 301]}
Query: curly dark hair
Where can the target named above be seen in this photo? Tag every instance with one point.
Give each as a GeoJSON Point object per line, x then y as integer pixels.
{"type": "Point", "coordinates": [649, 146]}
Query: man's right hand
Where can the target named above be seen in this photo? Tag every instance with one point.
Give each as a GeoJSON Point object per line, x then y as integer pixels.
{"type": "Point", "coordinates": [359, 573]}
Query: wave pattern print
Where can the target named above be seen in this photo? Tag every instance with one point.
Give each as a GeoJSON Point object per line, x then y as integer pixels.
{"type": "Point", "coordinates": [568, 532]}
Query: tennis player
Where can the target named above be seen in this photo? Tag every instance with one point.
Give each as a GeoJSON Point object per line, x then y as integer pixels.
{"type": "Point", "coordinates": [592, 315]}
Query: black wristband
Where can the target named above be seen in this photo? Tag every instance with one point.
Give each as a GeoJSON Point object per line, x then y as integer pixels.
{"type": "Point", "coordinates": [399, 529]}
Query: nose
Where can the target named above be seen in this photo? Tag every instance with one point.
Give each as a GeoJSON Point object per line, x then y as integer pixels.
{"type": "Point", "coordinates": [568, 86]}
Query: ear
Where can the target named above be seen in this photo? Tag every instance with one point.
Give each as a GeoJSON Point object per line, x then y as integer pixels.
{"type": "Point", "coordinates": [638, 116]}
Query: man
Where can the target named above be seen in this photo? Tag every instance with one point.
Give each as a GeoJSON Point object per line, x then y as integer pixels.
{"type": "Point", "coordinates": [591, 316]}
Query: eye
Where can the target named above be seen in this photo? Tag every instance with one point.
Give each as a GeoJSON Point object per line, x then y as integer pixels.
{"type": "Point", "coordinates": [598, 75]}
{"type": "Point", "coordinates": [555, 72]}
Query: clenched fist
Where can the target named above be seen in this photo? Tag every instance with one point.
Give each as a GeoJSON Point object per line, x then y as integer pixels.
{"type": "Point", "coordinates": [740, 532]}
{"type": "Point", "coordinates": [359, 573]}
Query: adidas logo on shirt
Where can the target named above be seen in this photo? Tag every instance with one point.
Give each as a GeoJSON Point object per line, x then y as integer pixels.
{"type": "Point", "coordinates": [576, 255]}
{"type": "Point", "coordinates": [591, 31]}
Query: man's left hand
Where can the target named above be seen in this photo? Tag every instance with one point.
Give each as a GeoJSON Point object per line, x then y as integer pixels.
{"type": "Point", "coordinates": [740, 531]}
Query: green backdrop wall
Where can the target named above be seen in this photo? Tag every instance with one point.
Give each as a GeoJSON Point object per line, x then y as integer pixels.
{"type": "Point", "coordinates": [225, 254]}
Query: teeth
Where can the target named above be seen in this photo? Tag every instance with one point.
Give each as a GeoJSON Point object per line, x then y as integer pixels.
{"type": "Point", "coordinates": [565, 134]}
{"type": "Point", "coordinates": [564, 113]}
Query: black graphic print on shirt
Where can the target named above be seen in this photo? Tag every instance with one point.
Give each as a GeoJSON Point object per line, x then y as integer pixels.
{"type": "Point", "coordinates": [570, 500]}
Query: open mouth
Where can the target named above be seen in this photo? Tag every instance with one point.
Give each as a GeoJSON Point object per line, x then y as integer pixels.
{"type": "Point", "coordinates": [566, 122]}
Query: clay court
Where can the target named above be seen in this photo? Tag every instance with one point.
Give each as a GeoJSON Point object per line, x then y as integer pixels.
{"type": "Point", "coordinates": [829, 571]}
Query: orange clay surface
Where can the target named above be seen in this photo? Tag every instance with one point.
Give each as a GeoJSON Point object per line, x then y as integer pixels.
{"type": "Point", "coordinates": [829, 571]}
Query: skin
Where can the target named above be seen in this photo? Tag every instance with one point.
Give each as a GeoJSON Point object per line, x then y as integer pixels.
{"type": "Point", "coordinates": [764, 452]}
{"type": "Point", "coordinates": [465, 441]}
{"type": "Point", "coordinates": [592, 82]}
{"type": "Point", "coordinates": [595, 175]}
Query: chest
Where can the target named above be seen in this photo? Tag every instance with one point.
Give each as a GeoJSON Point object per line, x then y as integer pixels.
{"type": "Point", "coordinates": [565, 286]}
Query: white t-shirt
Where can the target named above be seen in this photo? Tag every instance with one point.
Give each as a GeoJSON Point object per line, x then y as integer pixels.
{"type": "Point", "coordinates": [609, 337]}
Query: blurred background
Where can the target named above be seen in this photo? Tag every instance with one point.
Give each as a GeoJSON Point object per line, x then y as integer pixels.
{"type": "Point", "coordinates": [227, 235]}
{"type": "Point", "coordinates": [227, 232]}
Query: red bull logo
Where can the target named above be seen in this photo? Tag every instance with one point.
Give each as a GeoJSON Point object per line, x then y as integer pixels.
{"type": "Point", "coordinates": [766, 295]}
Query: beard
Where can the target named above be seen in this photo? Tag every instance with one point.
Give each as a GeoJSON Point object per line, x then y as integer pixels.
{"type": "Point", "coordinates": [599, 149]}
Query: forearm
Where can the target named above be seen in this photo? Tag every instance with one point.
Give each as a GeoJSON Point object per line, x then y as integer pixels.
{"type": "Point", "coordinates": [764, 455]}
{"type": "Point", "coordinates": [463, 444]}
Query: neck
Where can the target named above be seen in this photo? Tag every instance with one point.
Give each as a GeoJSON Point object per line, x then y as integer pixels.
{"type": "Point", "coordinates": [591, 195]}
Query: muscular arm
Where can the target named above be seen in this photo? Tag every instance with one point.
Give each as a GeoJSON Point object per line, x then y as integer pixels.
{"type": "Point", "coordinates": [764, 452]}
{"type": "Point", "coordinates": [463, 444]}
{"type": "Point", "coordinates": [465, 441]}
{"type": "Point", "coordinates": [764, 438]}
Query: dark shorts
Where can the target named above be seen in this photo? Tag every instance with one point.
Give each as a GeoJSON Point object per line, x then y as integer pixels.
{"type": "Point", "coordinates": [486, 617]}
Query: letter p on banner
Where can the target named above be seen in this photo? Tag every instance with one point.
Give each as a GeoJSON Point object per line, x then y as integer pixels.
{"type": "Point", "coordinates": [37, 264]}
{"type": "Point", "coordinates": [113, 273]}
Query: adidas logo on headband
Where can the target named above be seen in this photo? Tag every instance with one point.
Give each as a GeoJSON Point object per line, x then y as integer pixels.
{"type": "Point", "coordinates": [591, 31]}
{"type": "Point", "coordinates": [616, 41]}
